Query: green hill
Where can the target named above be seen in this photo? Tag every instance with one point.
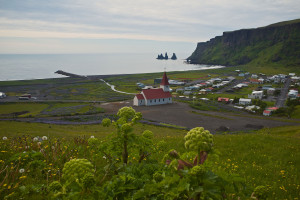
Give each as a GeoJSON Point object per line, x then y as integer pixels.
{"type": "Point", "coordinates": [274, 45]}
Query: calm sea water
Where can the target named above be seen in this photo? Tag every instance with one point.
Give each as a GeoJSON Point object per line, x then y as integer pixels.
{"type": "Point", "coordinates": [37, 66]}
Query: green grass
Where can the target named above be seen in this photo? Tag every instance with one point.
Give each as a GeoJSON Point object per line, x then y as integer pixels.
{"type": "Point", "coordinates": [93, 91]}
{"type": "Point", "coordinates": [267, 157]}
{"type": "Point", "coordinates": [32, 109]}
{"type": "Point", "coordinates": [296, 113]}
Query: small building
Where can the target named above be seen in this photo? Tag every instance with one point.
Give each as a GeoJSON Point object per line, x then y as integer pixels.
{"type": "Point", "coordinates": [293, 94]}
{"type": "Point", "coordinates": [179, 90]}
{"type": "Point", "coordinates": [203, 91]}
{"type": "Point", "coordinates": [187, 93]}
{"type": "Point", "coordinates": [140, 85]}
{"type": "Point", "coordinates": [252, 108]}
{"type": "Point", "coordinates": [256, 95]}
{"type": "Point", "coordinates": [254, 76]}
{"type": "Point", "coordinates": [244, 102]}
{"type": "Point", "coordinates": [267, 112]}
{"type": "Point", "coordinates": [225, 100]}
{"type": "Point", "coordinates": [2, 95]}
{"type": "Point", "coordinates": [266, 87]}
{"type": "Point", "coordinates": [254, 81]}
{"type": "Point", "coordinates": [295, 79]}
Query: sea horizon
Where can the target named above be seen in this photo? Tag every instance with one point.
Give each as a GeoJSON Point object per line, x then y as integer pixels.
{"type": "Point", "coordinates": [43, 66]}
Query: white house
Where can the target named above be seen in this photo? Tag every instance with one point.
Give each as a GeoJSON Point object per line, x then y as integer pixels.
{"type": "Point", "coordinates": [293, 94]}
{"type": "Point", "coordinates": [154, 96]}
{"type": "Point", "coordinates": [244, 102]}
{"type": "Point", "coordinates": [2, 95]}
{"type": "Point", "coordinates": [256, 95]}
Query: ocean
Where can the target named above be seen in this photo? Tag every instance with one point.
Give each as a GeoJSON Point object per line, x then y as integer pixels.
{"type": "Point", "coordinates": [39, 66]}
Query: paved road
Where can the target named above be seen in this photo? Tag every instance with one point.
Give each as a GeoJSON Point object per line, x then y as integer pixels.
{"type": "Point", "coordinates": [283, 94]}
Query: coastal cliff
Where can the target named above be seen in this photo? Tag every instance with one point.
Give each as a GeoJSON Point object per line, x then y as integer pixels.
{"type": "Point", "coordinates": [276, 44]}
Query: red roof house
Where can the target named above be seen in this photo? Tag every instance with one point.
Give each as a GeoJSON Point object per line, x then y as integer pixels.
{"type": "Point", "coordinates": [221, 99]}
{"type": "Point", "coordinates": [154, 96]}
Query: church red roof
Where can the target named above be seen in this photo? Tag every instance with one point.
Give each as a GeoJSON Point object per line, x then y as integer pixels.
{"type": "Point", "coordinates": [164, 80]}
{"type": "Point", "coordinates": [156, 94]}
{"type": "Point", "coordinates": [139, 96]}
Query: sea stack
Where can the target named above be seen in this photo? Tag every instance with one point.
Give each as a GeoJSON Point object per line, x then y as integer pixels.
{"type": "Point", "coordinates": [166, 56]}
{"type": "Point", "coordinates": [174, 57]}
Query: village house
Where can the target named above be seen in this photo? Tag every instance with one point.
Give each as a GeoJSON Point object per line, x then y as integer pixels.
{"type": "Point", "coordinates": [2, 95]}
{"type": "Point", "coordinates": [225, 100]}
{"type": "Point", "coordinates": [203, 91]}
{"type": "Point", "coordinates": [256, 95]}
{"type": "Point", "coordinates": [154, 96]}
{"type": "Point", "coordinates": [244, 102]}
{"type": "Point", "coordinates": [269, 111]}
{"type": "Point", "coordinates": [293, 94]}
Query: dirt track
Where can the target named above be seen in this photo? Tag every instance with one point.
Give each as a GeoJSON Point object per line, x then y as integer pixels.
{"type": "Point", "coordinates": [182, 115]}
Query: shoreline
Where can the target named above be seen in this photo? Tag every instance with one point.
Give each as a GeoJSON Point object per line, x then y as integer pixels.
{"type": "Point", "coordinates": [102, 76]}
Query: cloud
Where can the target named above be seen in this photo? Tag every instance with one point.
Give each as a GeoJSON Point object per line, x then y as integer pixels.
{"type": "Point", "coordinates": [176, 20]}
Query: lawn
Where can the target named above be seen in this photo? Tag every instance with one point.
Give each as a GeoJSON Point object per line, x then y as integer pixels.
{"type": "Point", "coordinates": [269, 157]}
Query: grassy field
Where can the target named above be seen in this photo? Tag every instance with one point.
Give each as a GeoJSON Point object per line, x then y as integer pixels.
{"type": "Point", "coordinates": [33, 109]}
{"type": "Point", "coordinates": [269, 157]}
{"type": "Point", "coordinates": [92, 91]}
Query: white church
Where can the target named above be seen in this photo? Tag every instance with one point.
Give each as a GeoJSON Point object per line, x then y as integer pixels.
{"type": "Point", "coordinates": [154, 96]}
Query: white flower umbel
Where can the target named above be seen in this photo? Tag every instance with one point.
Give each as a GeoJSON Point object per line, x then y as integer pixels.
{"type": "Point", "coordinates": [92, 136]}
{"type": "Point", "coordinates": [44, 138]}
{"type": "Point", "coordinates": [4, 138]}
{"type": "Point", "coordinates": [22, 170]}
{"type": "Point", "coordinates": [35, 139]}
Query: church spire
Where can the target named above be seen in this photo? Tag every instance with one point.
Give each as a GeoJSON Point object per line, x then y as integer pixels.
{"type": "Point", "coordinates": [164, 80]}
{"type": "Point", "coordinates": [165, 83]}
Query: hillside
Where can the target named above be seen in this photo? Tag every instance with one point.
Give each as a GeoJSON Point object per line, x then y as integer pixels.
{"type": "Point", "coordinates": [276, 45]}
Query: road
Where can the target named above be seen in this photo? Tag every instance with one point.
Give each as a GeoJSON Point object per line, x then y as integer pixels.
{"type": "Point", "coordinates": [283, 94]}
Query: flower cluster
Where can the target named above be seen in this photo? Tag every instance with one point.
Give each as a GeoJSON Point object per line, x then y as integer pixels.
{"type": "Point", "coordinates": [199, 139]}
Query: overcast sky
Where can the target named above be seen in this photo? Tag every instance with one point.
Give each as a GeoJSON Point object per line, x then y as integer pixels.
{"type": "Point", "coordinates": [106, 26]}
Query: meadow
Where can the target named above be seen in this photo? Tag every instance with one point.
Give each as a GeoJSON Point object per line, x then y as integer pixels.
{"type": "Point", "coordinates": [46, 109]}
{"type": "Point", "coordinates": [269, 157]}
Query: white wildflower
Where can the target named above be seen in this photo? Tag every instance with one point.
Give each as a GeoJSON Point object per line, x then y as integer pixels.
{"type": "Point", "coordinates": [92, 136]}
{"type": "Point", "coordinates": [4, 138]}
{"type": "Point", "coordinates": [35, 139]}
{"type": "Point", "coordinates": [22, 170]}
{"type": "Point", "coordinates": [104, 157]}
{"type": "Point", "coordinates": [44, 138]}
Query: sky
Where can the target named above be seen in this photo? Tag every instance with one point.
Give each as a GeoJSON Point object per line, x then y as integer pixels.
{"type": "Point", "coordinates": [131, 26]}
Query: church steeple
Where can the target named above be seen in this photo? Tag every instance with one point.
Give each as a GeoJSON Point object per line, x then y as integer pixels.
{"type": "Point", "coordinates": [165, 83]}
